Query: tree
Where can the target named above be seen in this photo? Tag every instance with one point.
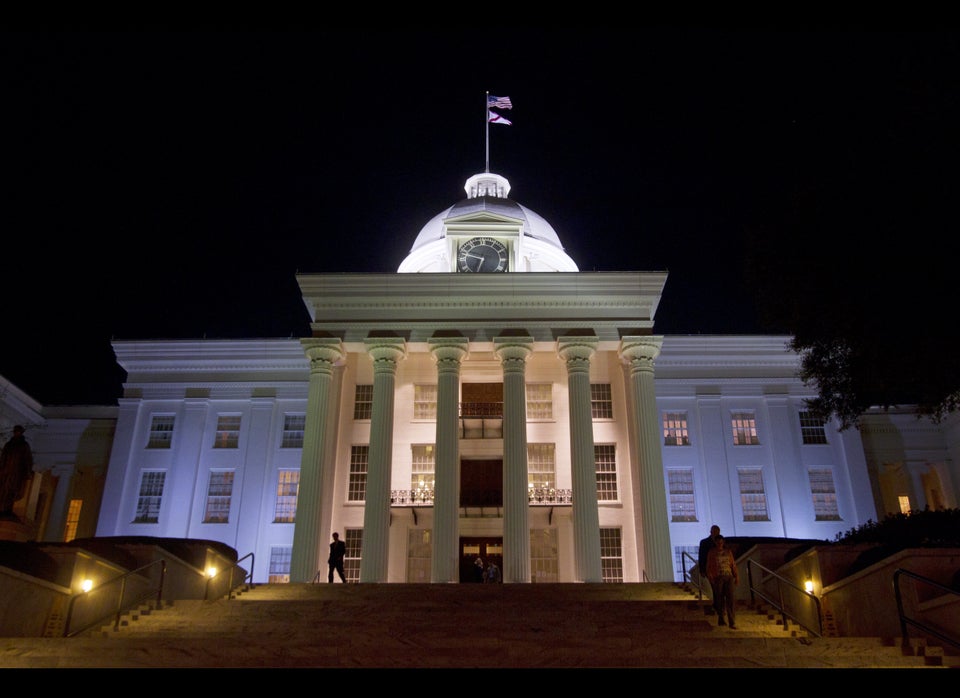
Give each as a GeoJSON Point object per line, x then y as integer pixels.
{"type": "Point", "coordinates": [851, 254]}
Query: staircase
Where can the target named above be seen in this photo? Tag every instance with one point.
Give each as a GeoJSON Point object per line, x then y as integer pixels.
{"type": "Point", "coordinates": [408, 626]}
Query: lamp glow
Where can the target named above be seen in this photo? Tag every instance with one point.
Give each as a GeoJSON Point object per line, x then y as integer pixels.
{"type": "Point", "coordinates": [211, 571]}
{"type": "Point", "coordinates": [86, 585]}
{"type": "Point", "coordinates": [808, 586]}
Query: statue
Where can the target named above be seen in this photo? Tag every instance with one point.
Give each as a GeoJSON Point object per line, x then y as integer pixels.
{"type": "Point", "coordinates": [16, 467]}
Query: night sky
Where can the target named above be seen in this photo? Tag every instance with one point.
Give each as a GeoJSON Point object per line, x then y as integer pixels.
{"type": "Point", "coordinates": [169, 184]}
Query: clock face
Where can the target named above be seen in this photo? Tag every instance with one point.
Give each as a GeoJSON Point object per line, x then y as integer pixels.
{"type": "Point", "coordinates": [482, 255]}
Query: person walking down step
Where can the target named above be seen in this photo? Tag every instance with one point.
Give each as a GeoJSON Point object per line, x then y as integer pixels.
{"type": "Point", "coordinates": [723, 575]}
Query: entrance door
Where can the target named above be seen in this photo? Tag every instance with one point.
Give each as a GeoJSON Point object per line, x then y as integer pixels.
{"type": "Point", "coordinates": [487, 549]}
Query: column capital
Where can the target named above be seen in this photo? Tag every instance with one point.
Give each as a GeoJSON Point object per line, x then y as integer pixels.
{"type": "Point", "coordinates": [449, 348]}
{"type": "Point", "coordinates": [512, 348]}
{"type": "Point", "coordinates": [322, 351]}
{"type": "Point", "coordinates": [641, 348]}
{"type": "Point", "coordinates": [577, 347]}
{"type": "Point", "coordinates": [390, 349]}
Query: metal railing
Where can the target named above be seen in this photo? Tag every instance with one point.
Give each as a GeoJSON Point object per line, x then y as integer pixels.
{"type": "Point", "coordinates": [913, 622]}
{"type": "Point", "coordinates": [780, 603]}
{"type": "Point", "coordinates": [119, 582]}
{"type": "Point", "coordinates": [687, 577]}
{"type": "Point", "coordinates": [233, 569]}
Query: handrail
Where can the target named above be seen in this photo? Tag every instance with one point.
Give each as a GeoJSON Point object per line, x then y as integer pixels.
{"type": "Point", "coordinates": [688, 578]}
{"type": "Point", "coordinates": [234, 566]}
{"type": "Point", "coordinates": [904, 621]}
{"type": "Point", "coordinates": [779, 604]}
{"type": "Point", "coordinates": [121, 607]}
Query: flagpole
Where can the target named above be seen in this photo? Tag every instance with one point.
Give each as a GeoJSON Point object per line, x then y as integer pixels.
{"type": "Point", "coordinates": [486, 119]}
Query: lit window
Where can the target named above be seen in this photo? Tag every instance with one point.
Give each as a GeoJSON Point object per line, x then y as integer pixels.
{"type": "Point", "coordinates": [539, 401]}
{"type": "Point", "coordinates": [611, 555]}
{"type": "Point", "coordinates": [363, 402]}
{"type": "Point", "coordinates": [904, 501]}
{"type": "Point", "coordinates": [753, 498]}
{"type": "Point", "coordinates": [744, 429]}
{"type": "Point", "coordinates": [425, 402]}
{"type": "Point", "coordinates": [288, 485]}
{"type": "Point", "coordinates": [812, 429]}
{"type": "Point", "coordinates": [353, 539]}
{"type": "Point", "coordinates": [601, 401]}
{"type": "Point", "coordinates": [422, 473]}
{"type": "Point", "coordinates": [73, 520]}
{"type": "Point", "coordinates": [824, 495]}
{"type": "Point", "coordinates": [293, 426]}
{"type": "Point", "coordinates": [675, 429]}
{"type": "Point", "coordinates": [151, 493]}
{"type": "Point", "coordinates": [544, 568]}
{"type": "Point", "coordinates": [161, 431]}
{"type": "Point", "coordinates": [605, 460]}
{"type": "Point", "coordinates": [228, 431]}
{"type": "Point", "coordinates": [357, 487]}
{"type": "Point", "coordinates": [279, 572]}
{"type": "Point", "coordinates": [219, 494]}
{"type": "Point", "coordinates": [682, 504]}
{"type": "Point", "coordinates": [541, 472]}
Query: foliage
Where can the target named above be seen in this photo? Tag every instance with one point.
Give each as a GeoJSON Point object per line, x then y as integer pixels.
{"type": "Point", "coordinates": [927, 528]}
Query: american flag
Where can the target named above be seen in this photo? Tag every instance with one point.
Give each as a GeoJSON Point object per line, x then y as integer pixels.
{"type": "Point", "coordinates": [499, 102]}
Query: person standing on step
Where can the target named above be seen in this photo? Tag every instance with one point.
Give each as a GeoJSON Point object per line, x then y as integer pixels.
{"type": "Point", "coordinates": [723, 576]}
{"type": "Point", "coordinates": [706, 545]}
{"type": "Point", "coordinates": [338, 550]}
{"type": "Point", "coordinates": [478, 569]}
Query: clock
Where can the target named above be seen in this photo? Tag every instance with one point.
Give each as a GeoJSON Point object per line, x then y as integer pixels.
{"type": "Point", "coordinates": [482, 255]}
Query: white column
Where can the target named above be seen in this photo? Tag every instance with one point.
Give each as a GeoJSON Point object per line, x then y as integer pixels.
{"type": "Point", "coordinates": [576, 352]}
{"type": "Point", "coordinates": [513, 353]}
{"type": "Point", "coordinates": [305, 556]}
{"type": "Point", "coordinates": [445, 564]}
{"type": "Point", "coordinates": [385, 352]}
{"type": "Point", "coordinates": [639, 353]}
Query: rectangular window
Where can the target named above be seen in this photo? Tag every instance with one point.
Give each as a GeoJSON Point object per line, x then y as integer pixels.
{"type": "Point", "coordinates": [73, 520]}
{"type": "Point", "coordinates": [293, 426]}
{"type": "Point", "coordinates": [539, 400]}
{"type": "Point", "coordinates": [683, 562]}
{"type": "Point", "coordinates": [425, 402]}
{"type": "Point", "coordinates": [151, 492]}
{"type": "Point", "coordinates": [219, 493]}
{"type": "Point", "coordinates": [353, 538]}
{"type": "Point", "coordinates": [605, 459]}
{"type": "Point", "coordinates": [682, 504]}
{"type": "Point", "coordinates": [904, 502]}
{"type": "Point", "coordinates": [419, 555]}
{"type": "Point", "coordinates": [812, 429]}
{"type": "Point", "coordinates": [161, 431]}
{"type": "Point", "coordinates": [744, 429]}
{"type": "Point", "coordinates": [611, 555]}
{"type": "Point", "coordinates": [601, 401]}
{"type": "Point", "coordinates": [421, 473]}
{"type": "Point", "coordinates": [541, 472]}
{"type": "Point", "coordinates": [675, 429]}
{"type": "Point", "coordinates": [279, 572]}
{"type": "Point", "coordinates": [357, 487]}
{"type": "Point", "coordinates": [288, 486]}
{"type": "Point", "coordinates": [363, 402]}
{"type": "Point", "coordinates": [544, 552]}
{"type": "Point", "coordinates": [228, 431]}
{"type": "Point", "coordinates": [753, 498]}
{"type": "Point", "coordinates": [824, 495]}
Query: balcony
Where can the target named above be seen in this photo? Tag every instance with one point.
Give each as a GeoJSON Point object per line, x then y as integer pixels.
{"type": "Point", "coordinates": [481, 420]}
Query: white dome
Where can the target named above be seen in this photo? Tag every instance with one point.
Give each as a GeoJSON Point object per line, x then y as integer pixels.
{"type": "Point", "coordinates": [487, 195]}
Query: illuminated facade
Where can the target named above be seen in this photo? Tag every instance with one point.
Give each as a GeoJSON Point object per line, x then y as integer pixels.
{"type": "Point", "coordinates": [487, 400]}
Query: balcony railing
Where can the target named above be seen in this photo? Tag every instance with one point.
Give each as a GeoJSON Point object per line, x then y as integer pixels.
{"type": "Point", "coordinates": [536, 496]}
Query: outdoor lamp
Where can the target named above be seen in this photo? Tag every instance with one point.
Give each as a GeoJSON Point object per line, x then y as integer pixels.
{"type": "Point", "coordinates": [86, 585]}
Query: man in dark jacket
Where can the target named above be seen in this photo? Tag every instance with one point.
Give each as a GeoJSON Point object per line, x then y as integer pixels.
{"type": "Point", "coordinates": [338, 550]}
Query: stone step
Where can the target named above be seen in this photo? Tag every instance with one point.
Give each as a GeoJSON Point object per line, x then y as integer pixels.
{"type": "Point", "coordinates": [455, 626]}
